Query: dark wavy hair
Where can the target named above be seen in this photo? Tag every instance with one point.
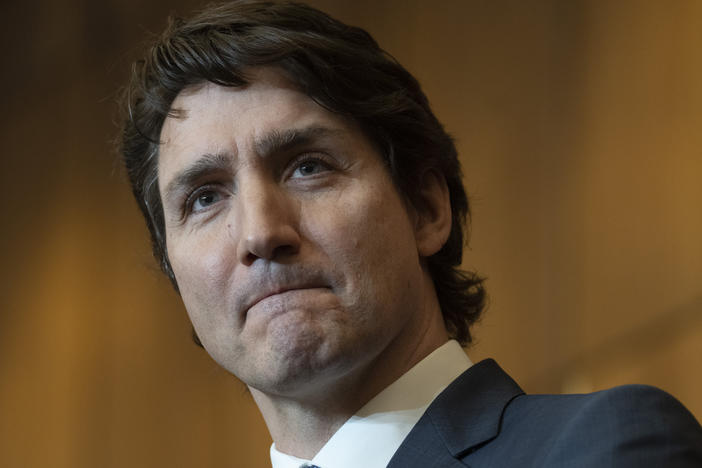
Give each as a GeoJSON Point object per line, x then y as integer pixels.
{"type": "Point", "coordinates": [341, 68]}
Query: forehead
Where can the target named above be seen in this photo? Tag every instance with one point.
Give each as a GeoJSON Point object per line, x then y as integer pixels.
{"type": "Point", "coordinates": [211, 119]}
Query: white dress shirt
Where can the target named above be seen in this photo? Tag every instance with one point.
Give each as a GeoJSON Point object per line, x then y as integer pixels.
{"type": "Point", "coordinates": [372, 436]}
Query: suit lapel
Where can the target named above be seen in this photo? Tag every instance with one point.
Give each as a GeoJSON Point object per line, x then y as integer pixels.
{"type": "Point", "coordinates": [466, 415]}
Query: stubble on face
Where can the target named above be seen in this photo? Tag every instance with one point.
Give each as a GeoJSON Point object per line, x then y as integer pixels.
{"type": "Point", "coordinates": [302, 265]}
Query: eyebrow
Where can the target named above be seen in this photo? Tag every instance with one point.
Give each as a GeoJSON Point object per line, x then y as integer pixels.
{"type": "Point", "coordinates": [206, 164]}
{"type": "Point", "coordinates": [275, 141]}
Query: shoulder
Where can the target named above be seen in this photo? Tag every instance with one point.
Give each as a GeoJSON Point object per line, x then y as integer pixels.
{"type": "Point", "coordinates": [630, 404]}
{"type": "Point", "coordinates": [631, 425]}
{"type": "Point", "coordinates": [484, 419]}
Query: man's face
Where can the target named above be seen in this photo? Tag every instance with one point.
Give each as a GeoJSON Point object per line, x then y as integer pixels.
{"type": "Point", "coordinates": [294, 254]}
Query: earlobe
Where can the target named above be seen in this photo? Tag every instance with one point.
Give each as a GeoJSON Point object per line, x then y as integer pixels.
{"type": "Point", "coordinates": [433, 221]}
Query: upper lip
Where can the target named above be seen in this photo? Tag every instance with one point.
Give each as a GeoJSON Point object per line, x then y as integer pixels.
{"type": "Point", "coordinates": [268, 291]}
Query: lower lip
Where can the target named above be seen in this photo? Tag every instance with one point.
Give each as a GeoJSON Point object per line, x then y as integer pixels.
{"type": "Point", "coordinates": [290, 299]}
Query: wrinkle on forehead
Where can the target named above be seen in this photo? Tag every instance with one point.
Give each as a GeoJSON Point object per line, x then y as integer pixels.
{"type": "Point", "coordinates": [270, 76]}
{"type": "Point", "coordinates": [265, 78]}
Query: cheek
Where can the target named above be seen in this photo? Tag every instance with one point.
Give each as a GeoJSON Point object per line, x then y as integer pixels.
{"type": "Point", "coordinates": [368, 237]}
{"type": "Point", "coordinates": [385, 231]}
{"type": "Point", "coordinates": [202, 270]}
{"type": "Point", "coordinates": [202, 275]}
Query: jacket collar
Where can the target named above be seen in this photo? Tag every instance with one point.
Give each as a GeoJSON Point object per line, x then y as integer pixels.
{"type": "Point", "coordinates": [466, 415]}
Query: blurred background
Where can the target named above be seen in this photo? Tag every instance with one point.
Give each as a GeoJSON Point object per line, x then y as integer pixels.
{"type": "Point", "coordinates": [578, 125]}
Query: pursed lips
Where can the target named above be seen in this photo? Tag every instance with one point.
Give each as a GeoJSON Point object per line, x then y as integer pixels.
{"type": "Point", "coordinates": [281, 290]}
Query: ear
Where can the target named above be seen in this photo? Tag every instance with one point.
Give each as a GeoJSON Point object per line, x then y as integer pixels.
{"type": "Point", "coordinates": [433, 216]}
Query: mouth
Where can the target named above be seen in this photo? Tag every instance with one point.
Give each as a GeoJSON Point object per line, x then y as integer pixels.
{"type": "Point", "coordinates": [280, 291]}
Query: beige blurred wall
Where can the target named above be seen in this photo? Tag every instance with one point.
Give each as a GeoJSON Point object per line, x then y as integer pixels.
{"type": "Point", "coordinates": [577, 123]}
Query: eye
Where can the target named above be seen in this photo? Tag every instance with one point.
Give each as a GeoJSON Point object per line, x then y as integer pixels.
{"type": "Point", "coordinates": [310, 167]}
{"type": "Point", "coordinates": [202, 199]}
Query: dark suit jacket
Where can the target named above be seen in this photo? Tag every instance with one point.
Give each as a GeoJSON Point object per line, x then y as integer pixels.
{"type": "Point", "coordinates": [483, 419]}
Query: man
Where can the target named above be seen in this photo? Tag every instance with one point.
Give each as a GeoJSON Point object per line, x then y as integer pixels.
{"type": "Point", "coordinates": [308, 207]}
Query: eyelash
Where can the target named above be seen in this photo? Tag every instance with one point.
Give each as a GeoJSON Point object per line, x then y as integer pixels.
{"type": "Point", "coordinates": [310, 157]}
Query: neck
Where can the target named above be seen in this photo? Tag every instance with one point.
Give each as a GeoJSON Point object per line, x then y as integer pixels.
{"type": "Point", "coordinates": [302, 424]}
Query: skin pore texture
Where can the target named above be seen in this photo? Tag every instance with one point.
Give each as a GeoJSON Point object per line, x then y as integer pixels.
{"type": "Point", "coordinates": [300, 265]}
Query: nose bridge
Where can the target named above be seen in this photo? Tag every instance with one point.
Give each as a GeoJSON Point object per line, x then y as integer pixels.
{"type": "Point", "coordinates": [265, 219]}
{"type": "Point", "coordinates": [262, 203]}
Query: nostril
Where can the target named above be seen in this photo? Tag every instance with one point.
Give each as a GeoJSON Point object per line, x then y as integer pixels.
{"type": "Point", "coordinates": [249, 259]}
{"type": "Point", "coordinates": [284, 250]}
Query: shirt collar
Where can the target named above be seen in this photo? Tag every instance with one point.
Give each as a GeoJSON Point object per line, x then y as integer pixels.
{"type": "Point", "coordinates": [372, 436]}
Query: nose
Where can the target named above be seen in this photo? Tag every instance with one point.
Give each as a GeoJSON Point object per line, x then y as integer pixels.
{"type": "Point", "coordinates": [266, 223]}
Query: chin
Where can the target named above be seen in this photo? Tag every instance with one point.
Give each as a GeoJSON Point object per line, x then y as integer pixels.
{"type": "Point", "coordinates": [291, 365]}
